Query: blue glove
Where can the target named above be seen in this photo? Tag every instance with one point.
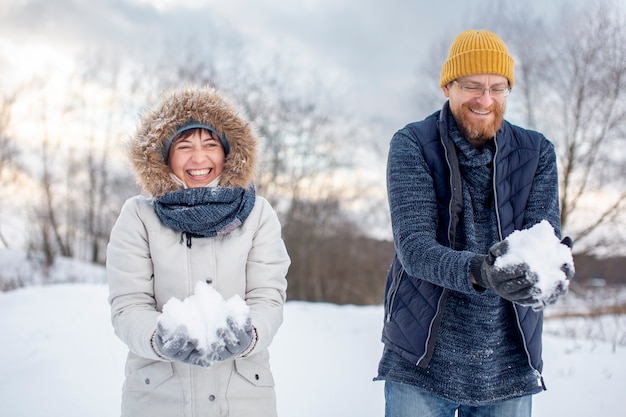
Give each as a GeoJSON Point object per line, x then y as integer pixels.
{"type": "Point", "coordinates": [234, 340]}
{"type": "Point", "coordinates": [178, 346]}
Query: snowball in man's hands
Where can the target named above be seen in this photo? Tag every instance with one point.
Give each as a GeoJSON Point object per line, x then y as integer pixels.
{"type": "Point", "coordinates": [545, 256]}
{"type": "Point", "coordinates": [203, 314]}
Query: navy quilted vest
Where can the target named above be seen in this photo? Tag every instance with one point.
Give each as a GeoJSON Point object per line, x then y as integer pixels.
{"type": "Point", "coordinates": [410, 330]}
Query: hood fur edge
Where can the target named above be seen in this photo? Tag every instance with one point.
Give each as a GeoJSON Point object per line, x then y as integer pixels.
{"type": "Point", "coordinates": [178, 107]}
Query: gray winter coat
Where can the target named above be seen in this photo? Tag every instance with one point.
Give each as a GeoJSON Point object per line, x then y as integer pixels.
{"type": "Point", "coordinates": [147, 265]}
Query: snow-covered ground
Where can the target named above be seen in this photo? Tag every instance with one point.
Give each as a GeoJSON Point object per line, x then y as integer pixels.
{"type": "Point", "coordinates": [59, 357]}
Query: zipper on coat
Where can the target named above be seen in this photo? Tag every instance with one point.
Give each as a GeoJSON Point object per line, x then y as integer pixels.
{"type": "Point", "coordinates": [391, 297]}
{"type": "Point", "coordinates": [495, 193]}
{"type": "Point", "coordinates": [430, 328]}
{"type": "Point", "coordinates": [450, 231]}
{"type": "Point", "coordinates": [540, 381]}
{"type": "Point", "coordinates": [452, 191]}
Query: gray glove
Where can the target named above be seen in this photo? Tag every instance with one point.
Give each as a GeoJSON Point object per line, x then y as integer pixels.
{"type": "Point", "coordinates": [234, 340]}
{"type": "Point", "coordinates": [561, 287]}
{"type": "Point", "coordinates": [178, 346]}
{"type": "Point", "coordinates": [514, 283]}
{"type": "Point", "coordinates": [568, 269]}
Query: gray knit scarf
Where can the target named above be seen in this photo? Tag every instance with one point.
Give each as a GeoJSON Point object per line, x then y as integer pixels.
{"type": "Point", "coordinates": [205, 211]}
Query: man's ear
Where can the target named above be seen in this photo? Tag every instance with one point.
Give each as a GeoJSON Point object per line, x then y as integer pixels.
{"type": "Point", "coordinates": [446, 90]}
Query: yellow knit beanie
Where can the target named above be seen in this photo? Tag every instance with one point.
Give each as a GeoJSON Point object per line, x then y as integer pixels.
{"type": "Point", "coordinates": [477, 52]}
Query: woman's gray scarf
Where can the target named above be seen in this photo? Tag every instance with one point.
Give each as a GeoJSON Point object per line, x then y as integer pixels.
{"type": "Point", "coordinates": [205, 211]}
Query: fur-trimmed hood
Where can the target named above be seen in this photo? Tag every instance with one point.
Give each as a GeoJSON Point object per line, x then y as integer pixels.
{"type": "Point", "coordinates": [203, 105]}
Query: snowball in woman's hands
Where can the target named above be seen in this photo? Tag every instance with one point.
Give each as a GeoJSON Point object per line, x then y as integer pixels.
{"type": "Point", "coordinates": [545, 256]}
{"type": "Point", "coordinates": [203, 314]}
{"type": "Point", "coordinates": [178, 316]}
{"type": "Point", "coordinates": [238, 311]}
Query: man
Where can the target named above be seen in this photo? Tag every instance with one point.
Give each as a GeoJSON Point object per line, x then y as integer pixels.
{"type": "Point", "coordinates": [460, 333]}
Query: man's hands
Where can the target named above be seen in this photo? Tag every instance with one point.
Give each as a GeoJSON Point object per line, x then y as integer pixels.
{"type": "Point", "coordinates": [514, 283]}
{"type": "Point", "coordinates": [517, 282]}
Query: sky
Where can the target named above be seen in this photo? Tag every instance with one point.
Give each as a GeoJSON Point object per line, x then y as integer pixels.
{"type": "Point", "coordinates": [365, 52]}
{"type": "Point", "coordinates": [368, 53]}
{"type": "Point", "coordinates": [368, 50]}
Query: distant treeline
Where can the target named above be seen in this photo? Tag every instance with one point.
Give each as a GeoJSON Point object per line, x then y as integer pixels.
{"type": "Point", "coordinates": [590, 268]}
{"type": "Point", "coordinates": [353, 270]}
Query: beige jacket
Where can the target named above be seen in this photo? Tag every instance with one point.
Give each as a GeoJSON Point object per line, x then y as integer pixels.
{"type": "Point", "coordinates": [147, 265]}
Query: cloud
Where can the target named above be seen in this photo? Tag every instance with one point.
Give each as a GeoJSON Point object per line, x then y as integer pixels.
{"type": "Point", "coordinates": [372, 49]}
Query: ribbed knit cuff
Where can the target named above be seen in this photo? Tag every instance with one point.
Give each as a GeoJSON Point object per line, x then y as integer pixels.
{"type": "Point", "coordinates": [476, 270]}
{"type": "Point", "coordinates": [255, 337]}
{"type": "Point", "coordinates": [156, 348]}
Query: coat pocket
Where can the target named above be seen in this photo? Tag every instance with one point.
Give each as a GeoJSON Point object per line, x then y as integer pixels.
{"type": "Point", "coordinates": [254, 372]}
{"type": "Point", "coordinates": [149, 377]}
{"type": "Point", "coordinates": [153, 390]}
{"type": "Point", "coordinates": [395, 279]}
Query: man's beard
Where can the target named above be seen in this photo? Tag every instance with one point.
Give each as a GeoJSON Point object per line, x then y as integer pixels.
{"type": "Point", "coordinates": [475, 132]}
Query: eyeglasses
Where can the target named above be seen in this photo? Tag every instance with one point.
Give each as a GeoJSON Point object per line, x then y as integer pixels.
{"type": "Point", "coordinates": [475, 90]}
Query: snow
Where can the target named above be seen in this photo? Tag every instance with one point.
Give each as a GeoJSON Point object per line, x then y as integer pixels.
{"type": "Point", "coordinates": [19, 269]}
{"type": "Point", "coordinates": [202, 314]}
{"type": "Point", "coordinates": [544, 254]}
{"type": "Point", "coordinates": [61, 358]}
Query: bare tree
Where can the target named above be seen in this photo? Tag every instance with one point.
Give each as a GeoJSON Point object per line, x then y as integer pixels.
{"type": "Point", "coordinates": [304, 156]}
{"type": "Point", "coordinates": [103, 184]}
{"type": "Point", "coordinates": [570, 69]}
{"type": "Point", "coordinates": [81, 182]}
{"type": "Point", "coordinates": [9, 153]}
{"type": "Point", "coordinates": [573, 74]}
{"type": "Point", "coordinates": [307, 150]}
{"type": "Point", "coordinates": [302, 167]}
{"type": "Point", "coordinates": [47, 234]}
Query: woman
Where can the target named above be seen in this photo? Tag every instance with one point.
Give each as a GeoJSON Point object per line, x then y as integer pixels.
{"type": "Point", "coordinates": [198, 220]}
